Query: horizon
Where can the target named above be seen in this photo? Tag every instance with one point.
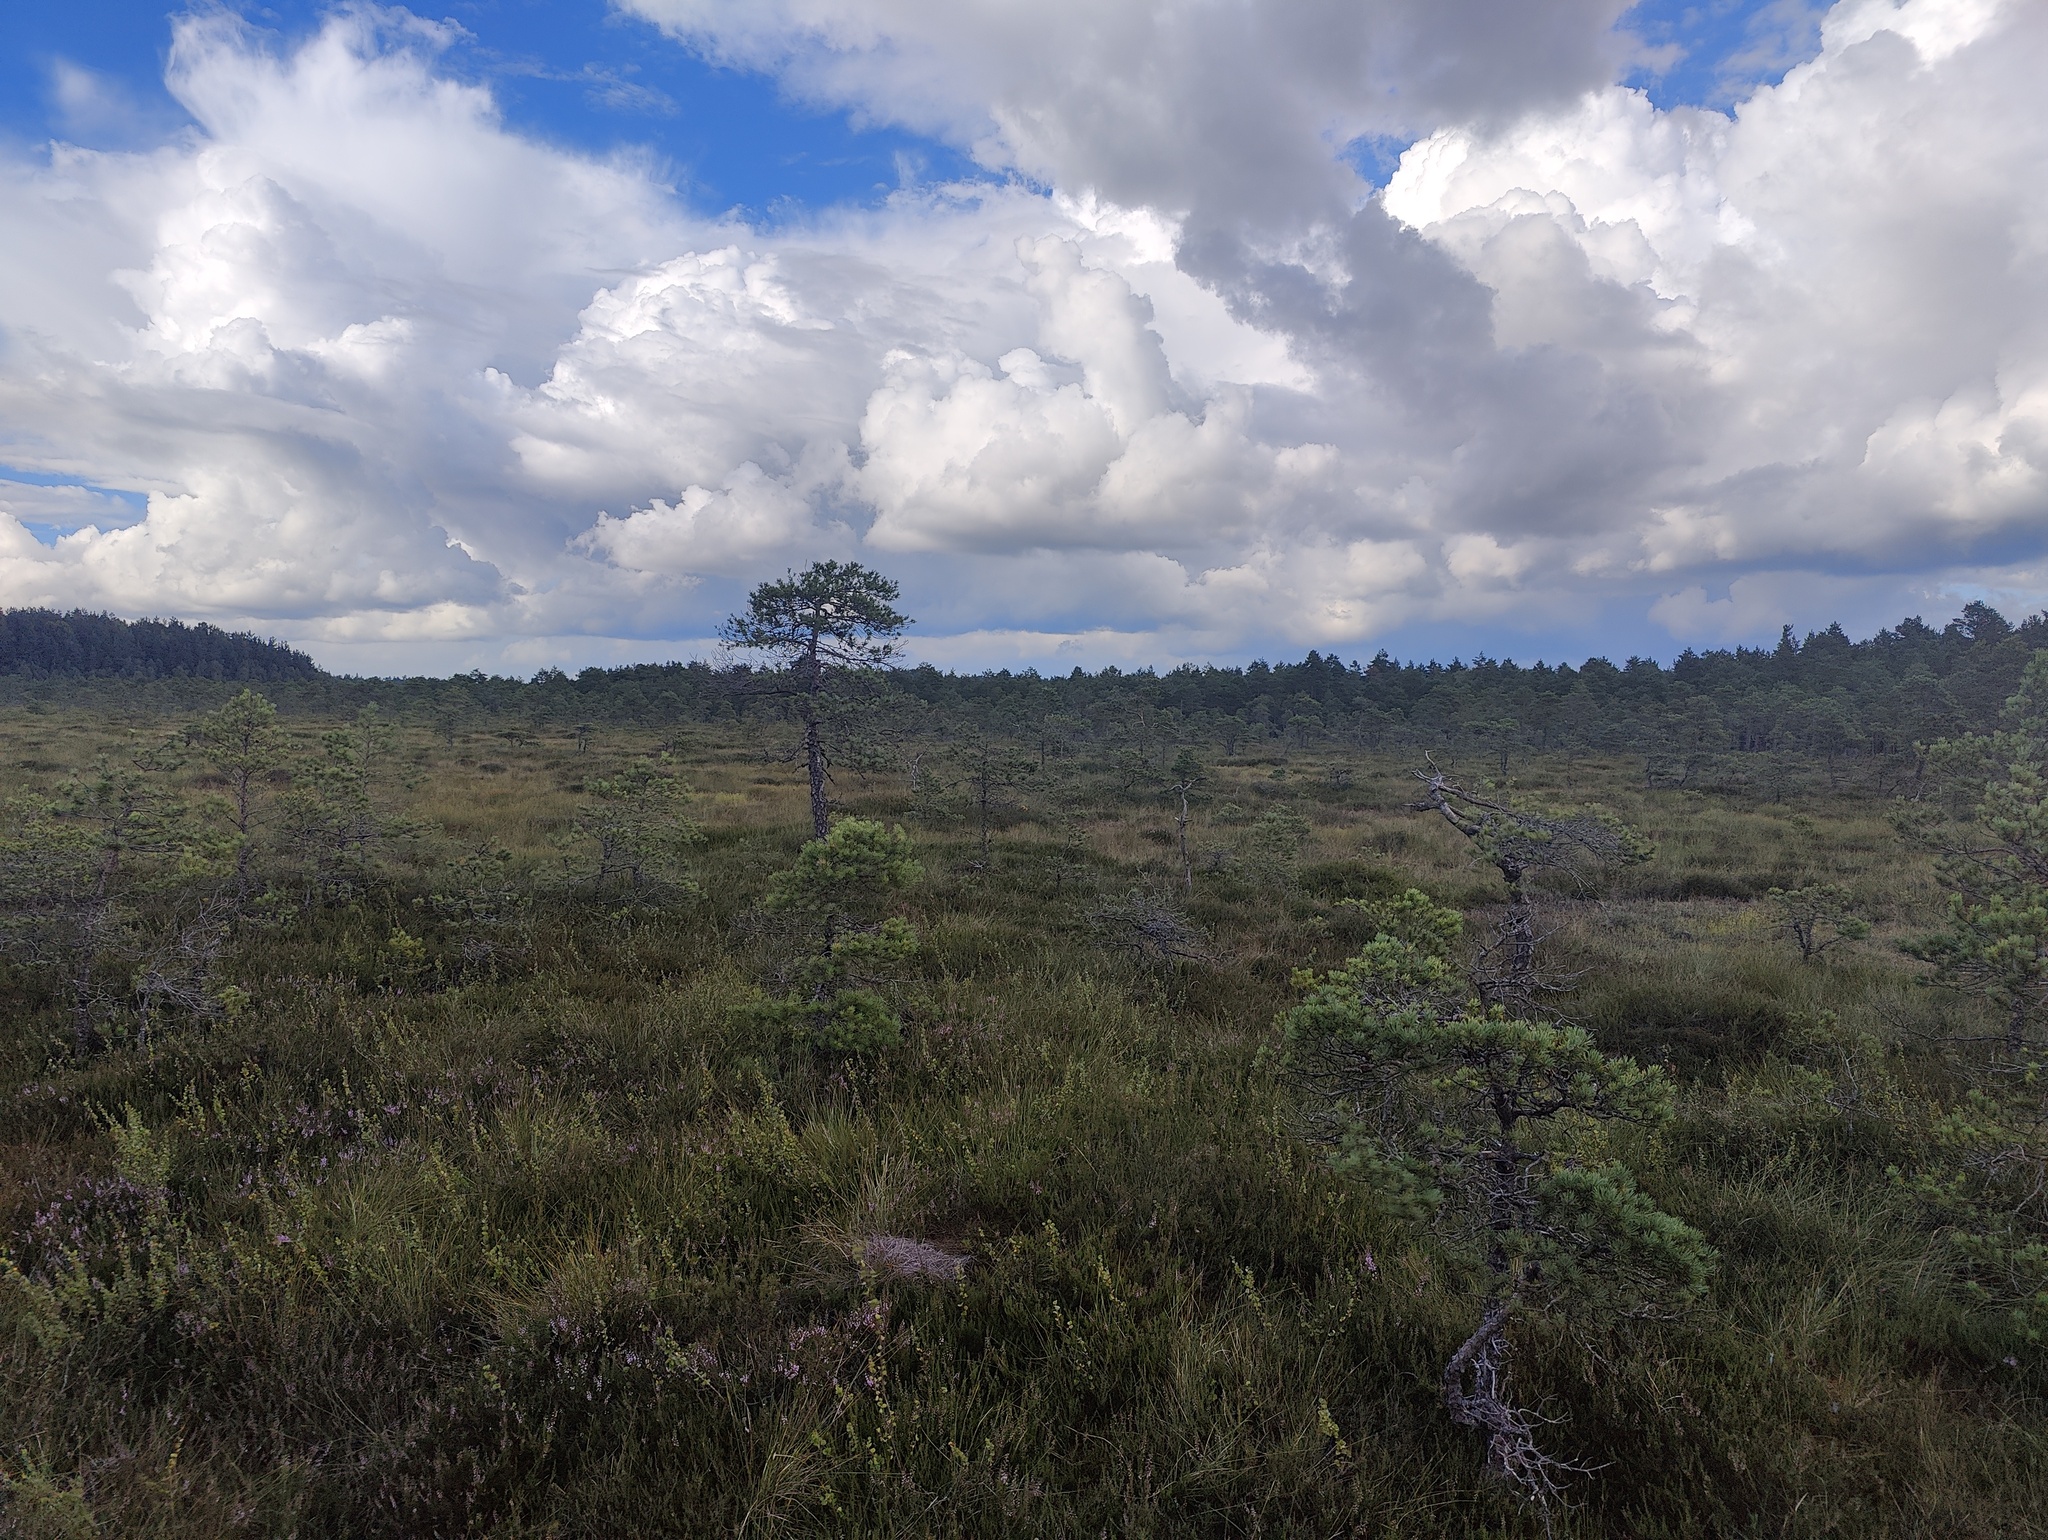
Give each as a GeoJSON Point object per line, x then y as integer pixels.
{"type": "Point", "coordinates": [719, 655]}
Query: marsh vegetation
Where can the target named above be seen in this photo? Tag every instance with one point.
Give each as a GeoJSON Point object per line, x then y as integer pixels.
{"type": "Point", "coordinates": [486, 1114]}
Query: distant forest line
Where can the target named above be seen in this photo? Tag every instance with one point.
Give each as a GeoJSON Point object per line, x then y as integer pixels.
{"type": "Point", "coordinates": [46, 644]}
{"type": "Point", "coordinates": [1825, 696]}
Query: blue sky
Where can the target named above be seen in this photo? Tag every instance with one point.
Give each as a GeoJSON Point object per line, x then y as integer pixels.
{"type": "Point", "coordinates": [574, 72]}
{"type": "Point", "coordinates": [506, 333]}
{"type": "Point", "coordinates": [1713, 53]}
{"type": "Point", "coordinates": [579, 73]}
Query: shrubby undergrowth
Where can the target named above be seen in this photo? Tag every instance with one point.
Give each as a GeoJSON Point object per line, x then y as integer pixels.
{"type": "Point", "coordinates": [418, 1124]}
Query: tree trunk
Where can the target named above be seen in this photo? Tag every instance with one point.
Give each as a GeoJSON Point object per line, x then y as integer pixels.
{"type": "Point", "coordinates": [814, 743]}
{"type": "Point", "coordinates": [245, 798]}
{"type": "Point", "coordinates": [1475, 1390]}
{"type": "Point", "coordinates": [1517, 985]}
{"type": "Point", "coordinates": [1475, 1381]}
{"type": "Point", "coordinates": [1180, 825]}
{"type": "Point", "coordinates": [814, 760]}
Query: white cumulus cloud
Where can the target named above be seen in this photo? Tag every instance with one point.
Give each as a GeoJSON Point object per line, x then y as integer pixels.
{"type": "Point", "coordinates": [355, 361]}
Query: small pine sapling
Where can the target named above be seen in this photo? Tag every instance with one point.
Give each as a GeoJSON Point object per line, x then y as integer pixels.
{"type": "Point", "coordinates": [246, 748]}
{"type": "Point", "coordinates": [112, 891]}
{"type": "Point", "coordinates": [1066, 817]}
{"type": "Point", "coordinates": [57, 913]}
{"type": "Point", "coordinates": [638, 827]}
{"type": "Point", "coordinates": [836, 990]}
{"type": "Point", "coordinates": [990, 769]}
{"type": "Point", "coordinates": [1817, 917]}
{"type": "Point", "coordinates": [482, 898]}
{"type": "Point", "coordinates": [1271, 845]}
{"type": "Point", "coordinates": [340, 811]}
{"type": "Point", "coordinates": [1466, 1117]}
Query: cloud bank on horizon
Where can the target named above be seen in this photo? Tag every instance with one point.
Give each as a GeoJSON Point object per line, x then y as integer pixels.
{"type": "Point", "coordinates": [358, 362]}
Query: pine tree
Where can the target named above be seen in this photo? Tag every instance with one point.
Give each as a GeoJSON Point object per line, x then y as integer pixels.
{"type": "Point", "coordinates": [832, 619]}
{"type": "Point", "coordinates": [1988, 1165]}
{"type": "Point", "coordinates": [1994, 861]}
{"type": "Point", "coordinates": [637, 823]}
{"type": "Point", "coordinates": [851, 951]}
{"type": "Point", "coordinates": [1524, 846]}
{"type": "Point", "coordinates": [1465, 1117]}
{"type": "Point", "coordinates": [245, 747]}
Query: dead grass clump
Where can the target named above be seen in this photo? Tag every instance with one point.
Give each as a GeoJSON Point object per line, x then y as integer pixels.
{"type": "Point", "coordinates": [899, 1256]}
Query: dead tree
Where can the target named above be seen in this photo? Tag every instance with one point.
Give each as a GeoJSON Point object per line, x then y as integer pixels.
{"type": "Point", "coordinates": [1183, 776]}
{"type": "Point", "coordinates": [1524, 846]}
{"type": "Point", "coordinates": [1151, 931]}
{"type": "Point", "coordinates": [990, 770]}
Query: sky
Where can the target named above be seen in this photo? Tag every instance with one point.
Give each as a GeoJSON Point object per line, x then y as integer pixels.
{"type": "Point", "coordinates": [523, 333]}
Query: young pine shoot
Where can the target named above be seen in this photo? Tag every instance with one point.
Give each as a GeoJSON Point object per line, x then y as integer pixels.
{"type": "Point", "coordinates": [1464, 1117]}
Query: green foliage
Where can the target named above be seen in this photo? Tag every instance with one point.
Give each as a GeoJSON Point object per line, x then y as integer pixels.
{"type": "Point", "coordinates": [1413, 920]}
{"type": "Point", "coordinates": [43, 1507]}
{"type": "Point", "coordinates": [831, 615]}
{"type": "Point", "coordinates": [845, 877]}
{"type": "Point", "coordinates": [1986, 1165]}
{"type": "Point", "coordinates": [1270, 846]}
{"type": "Point", "coordinates": [1468, 1117]}
{"type": "Point", "coordinates": [482, 898]}
{"type": "Point", "coordinates": [1996, 944]}
{"type": "Point", "coordinates": [142, 832]}
{"type": "Point", "coordinates": [1817, 916]}
{"type": "Point", "coordinates": [340, 814]}
{"type": "Point", "coordinates": [245, 747]}
{"type": "Point", "coordinates": [989, 769]}
{"type": "Point", "coordinates": [49, 866]}
{"type": "Point", "coordinates": [637, 829]}
{"type": "Point", "coordinates": [407, 1238]}
{"type": "Point", "coordinates": [1994, 859]}
{"type": "Point", "coordinates": [1598, 1240]}
{"type": "Point", "coordinates": [1397, 1061]}
{"type": "Point", "coordinates": [844, 1020]}
{"type": "Point", "coordinates": [835, 893]}
{"type": "Point", "coordinates": [110, 892]}
{"type": "Point", "coordinates": [1979, 1179]}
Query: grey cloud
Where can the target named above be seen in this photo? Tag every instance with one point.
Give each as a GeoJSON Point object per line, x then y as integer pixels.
{"type": "Point", "coordinates": [1227, 110]}
{"type": "Point", "coordinates": [1540, 439]}
{"type": "Point", "coordinates": [1582, 358]}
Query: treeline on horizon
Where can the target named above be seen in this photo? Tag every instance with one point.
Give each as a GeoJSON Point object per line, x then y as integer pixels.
{"type": "Point", "coordinates": [47, 644]}
{"type": "Point", "coordinates": [1825, 696]}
